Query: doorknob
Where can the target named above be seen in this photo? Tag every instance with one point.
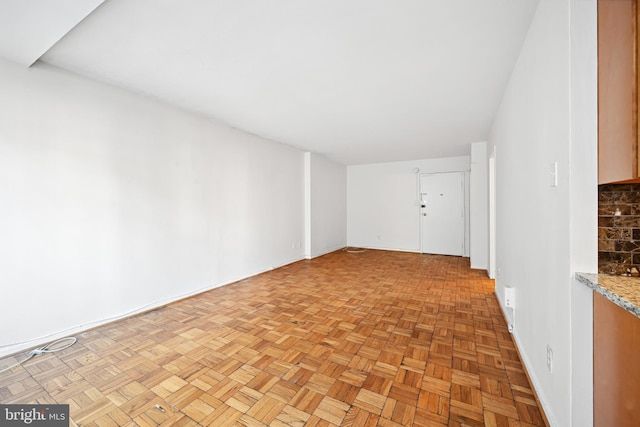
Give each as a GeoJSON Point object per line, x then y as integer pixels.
{"type": "Point", "coordinates": [424, 214]}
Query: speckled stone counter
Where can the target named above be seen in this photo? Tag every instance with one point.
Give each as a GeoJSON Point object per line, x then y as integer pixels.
{"type": "Point", "coordinates": [621, 290]}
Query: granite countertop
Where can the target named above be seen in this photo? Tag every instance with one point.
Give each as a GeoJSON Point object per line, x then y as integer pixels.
{"type": "Point", "coordinates": [621, 290]}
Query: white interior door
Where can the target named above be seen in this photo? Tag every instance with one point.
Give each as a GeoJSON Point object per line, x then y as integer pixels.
{"type": "Point", "coordinates": [442, 213]}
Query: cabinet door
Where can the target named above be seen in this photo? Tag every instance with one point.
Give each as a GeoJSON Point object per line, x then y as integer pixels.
{"type": "Point", "coordinates": [617, 99]}
{"type": "Point", "coordinates": [616, 371]}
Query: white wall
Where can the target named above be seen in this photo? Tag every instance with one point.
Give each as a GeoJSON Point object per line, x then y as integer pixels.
{"type": "Point", "coordinates": [539, 227]}
{"type": "Point", "coordinates": [583, 202]}
{"type": "Point", "coordinates": [111, 203]}
{"type": "Point", "coordinates": [479, 207]}
{"type": "Point", "coordinates": [326, 212]}
{"type": "Point", "coordinates": [382, 202]}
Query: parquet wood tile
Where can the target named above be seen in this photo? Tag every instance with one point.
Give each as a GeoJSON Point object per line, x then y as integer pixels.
{"type": "Point", "coordinates": [369, 339]}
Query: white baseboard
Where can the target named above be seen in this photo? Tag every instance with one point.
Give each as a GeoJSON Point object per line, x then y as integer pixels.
{"type": "Point", "coordinates": [9, 350]}
{"type": "Point", "coordinates": [526, 364]}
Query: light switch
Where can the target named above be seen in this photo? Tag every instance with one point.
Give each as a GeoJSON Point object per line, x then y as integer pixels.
{"type": "Point", "coordinates": [554, 174]}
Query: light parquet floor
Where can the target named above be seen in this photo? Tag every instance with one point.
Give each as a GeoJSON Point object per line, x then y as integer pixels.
{"type": "Point", "coordinates": [374, 338]}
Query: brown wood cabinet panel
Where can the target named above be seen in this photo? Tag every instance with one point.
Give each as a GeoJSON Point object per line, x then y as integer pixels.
{"type": "Point", "coordinates": [616, 365]}
{"type": "Point", "coordinates": [617, 94]}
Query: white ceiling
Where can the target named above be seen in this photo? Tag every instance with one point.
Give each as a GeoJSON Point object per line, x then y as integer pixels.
{"type": "Point", "coordinates": [361, 81]}
{"type": "Point", "coordinates": [28, 28]}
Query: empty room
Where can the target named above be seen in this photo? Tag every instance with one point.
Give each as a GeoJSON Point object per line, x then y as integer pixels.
{"type": "Point", "coordinates": [336, 213]}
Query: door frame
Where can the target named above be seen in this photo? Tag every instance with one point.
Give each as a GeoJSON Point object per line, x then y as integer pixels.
{"type": "Point", "coordinates": [492, 217]}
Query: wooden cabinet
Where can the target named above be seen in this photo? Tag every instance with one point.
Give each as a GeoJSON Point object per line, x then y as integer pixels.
{"type": "Point", "coordinates": [617, 91]}
{"type": "Point", "coordinates": [616, 365]}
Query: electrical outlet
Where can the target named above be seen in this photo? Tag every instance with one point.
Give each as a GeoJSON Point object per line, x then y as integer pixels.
{"type": "Point", "coordinates": [510, 297]}
{"type": "Point", "coordinates": [549, 359]}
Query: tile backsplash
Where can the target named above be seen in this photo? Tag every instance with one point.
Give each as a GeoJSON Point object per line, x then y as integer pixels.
{"type": "Point", "coordinates": [619, 229]}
